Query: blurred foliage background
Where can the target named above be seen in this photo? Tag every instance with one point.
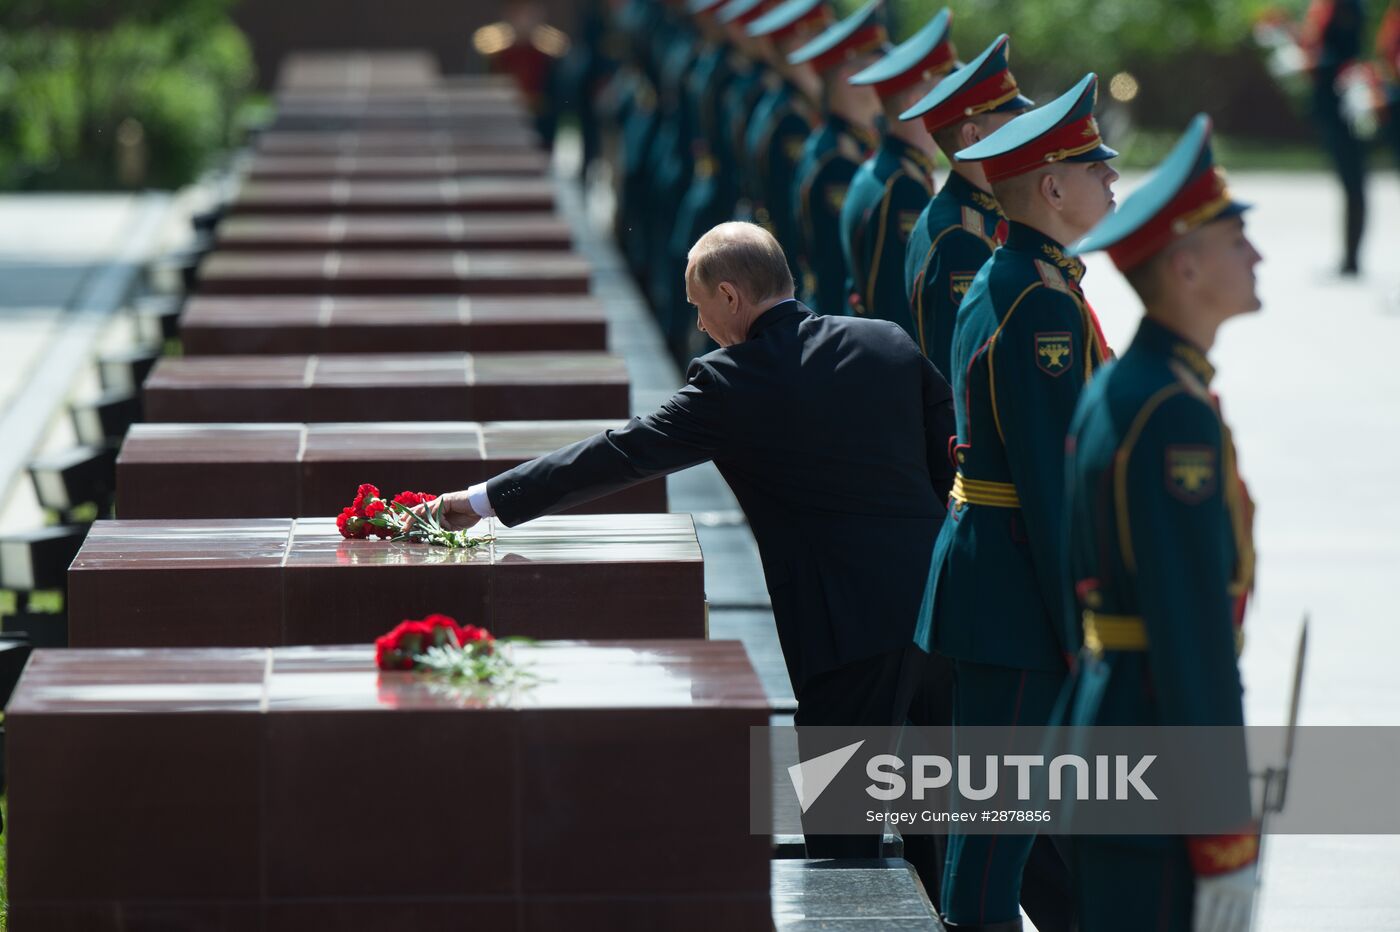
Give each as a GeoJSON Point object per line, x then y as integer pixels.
{"type": "Point", "coordinates": [1159, 62]}
{"type": "Point", "coordinates": [138, 93]}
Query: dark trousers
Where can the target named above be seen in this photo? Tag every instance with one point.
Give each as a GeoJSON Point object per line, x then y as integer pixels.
{"type": "Point", "coordinates": [875, 691]}
{"type": "Point", "coordinates": [1128, 884]}
{"type": "Point", "coordinates": [1392, 123]}
{"type": "Point", "coordinates": [1348, 155]}
{"type": "Point", "coordinates": [986, 876]}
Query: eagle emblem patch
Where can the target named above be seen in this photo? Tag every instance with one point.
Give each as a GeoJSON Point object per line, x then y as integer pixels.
{"type": "Point", "coordinates": [835, 195]}
{"type": "Point", "coordinates": [1054, 352]}
{"type": "Point", "coordinates": [1191, 473]}
{"type": "Point", "coordinates": [958, 283]}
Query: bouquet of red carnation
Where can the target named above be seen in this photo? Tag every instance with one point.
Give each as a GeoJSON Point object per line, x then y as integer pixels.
{"type": "Point", "coordinates": [438, 645]}
{"type": "Point", "coordinates": [393, 519]}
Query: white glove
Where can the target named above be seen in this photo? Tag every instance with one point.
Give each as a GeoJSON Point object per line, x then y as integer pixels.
{"type": "Point", "coordinates": [1225, 903]}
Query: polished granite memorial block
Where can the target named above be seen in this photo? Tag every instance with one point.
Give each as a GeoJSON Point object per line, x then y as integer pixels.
{"type": "Point", "coordinates": [453, 195]}
{"type": "Point", "coordinates": [217, 325]}
{"type": "Point", "coordinates": [470, 232]}
{"type": "Point", "coordinates": [382, 272]}
{"type": "Point", "coordinates": [330, 116]}
{"type": "Point", "coordinates": [308, 470]}
{"type": "Point", "coordinates": [261, 582]}
{"type": "Point", "coordinates": [399, 142]}
{"type": "Point", "coordinates": [387, 387]}
{"type": "Point", "coordinates": [362, 72]}
{"type": "Point", "coordinates": [293, 167]}
{"type": "Point", "coordinates": [298, 788]}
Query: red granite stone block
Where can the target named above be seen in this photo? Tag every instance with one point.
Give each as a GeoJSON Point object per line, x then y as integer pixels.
{"type": "Point", "coordinates": [450, 195]}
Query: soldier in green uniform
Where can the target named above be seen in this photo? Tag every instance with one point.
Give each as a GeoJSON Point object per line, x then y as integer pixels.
{"type": "Point", "coordinates": [1160, 541]}
{"type": "Point", "coordinates": [1024, 345]}
{"type": "Point", "coordinates": [958, 230]}
{"type": "Point", "coordinates": [672, 161]}
{"type": "Point", "coordinates": [640, 120]}
{"type": "Point", "coordinates": [742, 101]}
{"type": "Point", "coordinates": [834, 151]}
{"type": "Point", "coordinates": [784, 118]}
{"type": "Point", "coordinates": [891, 188]}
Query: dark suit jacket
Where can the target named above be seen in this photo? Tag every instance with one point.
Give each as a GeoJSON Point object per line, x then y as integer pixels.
{"type": "Point", "coordinates": [833, 433]}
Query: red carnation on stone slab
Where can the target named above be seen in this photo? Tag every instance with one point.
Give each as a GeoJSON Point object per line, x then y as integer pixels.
{"type": "Point", "coordinates": [439, 645]}
{"type": "Point", "coordinates": [371, 513]}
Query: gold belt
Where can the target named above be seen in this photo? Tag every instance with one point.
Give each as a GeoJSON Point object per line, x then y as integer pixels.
{"type": "Point", "coordinates": [1125, 632]}
{"type": "Point", "coordinates": [983, 492]}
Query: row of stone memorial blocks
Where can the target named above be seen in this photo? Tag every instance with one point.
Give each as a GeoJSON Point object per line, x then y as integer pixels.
{"type": "Point", "coordinates": [196, 760]}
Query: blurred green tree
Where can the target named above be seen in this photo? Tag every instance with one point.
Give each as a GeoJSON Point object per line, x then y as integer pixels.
{"type": "Point", "coordinates": [96, 95]}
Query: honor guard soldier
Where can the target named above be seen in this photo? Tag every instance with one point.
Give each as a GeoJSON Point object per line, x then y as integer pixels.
{"type": "Point", "coordinates": [958, 230]}
{"type": "Point", "coordinates": [744, 95]}
{"type": "Point", "coordinates": [892, 187]}
{"type": "Point", "coordinates": [1160, 541]}
{"type": "Point", "coordinates": [1024, 345]}
{"type": "Point", "coordinates": [640, 118]}
{"type": "Point", "coordinates": [1388, 55]}
{"type": "Point", "coordinates": [525, 47]}
{"type": "Point", "coordinates": [834, 150]}
{"type": "Point", "coordinates": [672, 161]}
{"type": "Point", "coordinates": [1331, 39]}
{"type": "Point", "coordinates": [784, 118]}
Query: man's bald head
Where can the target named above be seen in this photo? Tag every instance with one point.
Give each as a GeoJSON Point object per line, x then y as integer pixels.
{"type": "Point", "coordinates": [745, 255]}
{"type": "Point", "coordinates": [733, 274]}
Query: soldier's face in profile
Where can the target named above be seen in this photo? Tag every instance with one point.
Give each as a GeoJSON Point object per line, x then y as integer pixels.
{"type": "Point", "coordinates": [1222, 263]}
{"type": "Point", "coordinates": [1084, 192]}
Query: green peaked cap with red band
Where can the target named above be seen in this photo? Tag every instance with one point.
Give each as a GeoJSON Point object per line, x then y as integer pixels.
{"type": "Point", "coordinates": [983, 85]}
{"type": "Point", "coordinates": [857, 33]}
{"type": "Point", "coordinates": [787, 17]}
{"type": "Point", "coordinates": [1063, 130]}
{"type": "Point", "coordinates": [926, 54]}
{"type": "Point", "coordinates": [1184, 193]}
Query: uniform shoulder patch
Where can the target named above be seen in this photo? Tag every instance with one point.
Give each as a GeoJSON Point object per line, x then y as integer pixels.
{"type": "Point", "coordinates": [1054, 352]}
{"type": "Point", "coordinates": [1051, 277]}
{"type": "Point", "coordinates": [958, 283]}
{"type": "Point", "coordinates": [973, 223]}
{"type": "Point", "coordinates": [835, 196]}
{"type": "Point", "coordinates": [1190, 473]}
{"type": "Point", "coordinates": [906, 220]}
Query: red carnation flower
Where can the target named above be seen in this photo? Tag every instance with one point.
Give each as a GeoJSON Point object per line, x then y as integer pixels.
{"type": "Point", "coordinates": [409, 499]}
{"type": "Point", "coordinates": [364, 494]}
{"type": "Point", "coordinates": [471, 634]}
{"type": "Point", "coordinates": [351, 525]}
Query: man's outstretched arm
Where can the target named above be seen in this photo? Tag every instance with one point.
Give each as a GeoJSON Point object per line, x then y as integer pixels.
{"type": "Point", "coordinates": [687, 430]}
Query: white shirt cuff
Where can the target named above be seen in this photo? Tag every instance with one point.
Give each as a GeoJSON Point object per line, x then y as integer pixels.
{"type": "Point", "coordinates": [480, 501]}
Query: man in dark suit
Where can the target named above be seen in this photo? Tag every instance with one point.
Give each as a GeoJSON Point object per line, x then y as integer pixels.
{"type": "Point", "coordinates": [833, 434]}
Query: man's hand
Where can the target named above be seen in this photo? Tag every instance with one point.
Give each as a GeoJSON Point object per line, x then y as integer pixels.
{"type": "Point", "coordinates": [452, 510]}
{"type": "Point", "coordinates": [1226, 903]}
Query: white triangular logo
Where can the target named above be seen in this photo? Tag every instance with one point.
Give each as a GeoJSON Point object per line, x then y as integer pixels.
{"type": "Point", "coordinates": [811, 777]}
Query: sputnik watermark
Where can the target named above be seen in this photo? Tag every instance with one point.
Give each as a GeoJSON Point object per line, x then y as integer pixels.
{"type": "Point", "coordinates": [1116, 773]}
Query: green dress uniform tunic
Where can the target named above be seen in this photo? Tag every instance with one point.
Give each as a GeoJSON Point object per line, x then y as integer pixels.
{"type": "Point", "coordinates": [1161, 557]}
{"type": "Point", "coordinates": [885, 199]}
{"type": "Point", "coordinates": [830, 157]}
{"type": "Point", "coordinates": [951, 241]}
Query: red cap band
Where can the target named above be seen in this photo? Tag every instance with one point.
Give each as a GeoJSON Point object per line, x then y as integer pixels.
{"type": "Point", "coordinates": [1069, 140]}
{"type": "Point", "coordinates": [979, 98]}
{"type": "Point", "coordinates": [862, 40]}
{"type": "Point", "coordinates": [938, 62]}
{"type": "Point", "coordinates": [1197, 203]}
